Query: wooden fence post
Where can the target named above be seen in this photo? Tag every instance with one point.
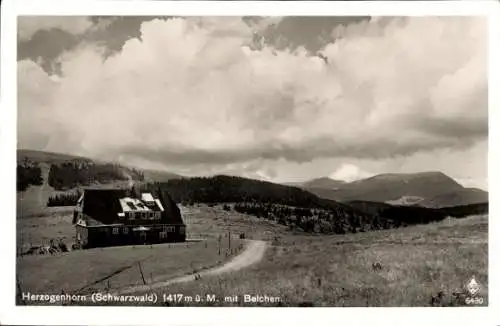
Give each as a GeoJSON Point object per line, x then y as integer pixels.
{"type": "Point", "coordinates": [19, 291]}
{"type": "Point", "coordinates": [142, 275]}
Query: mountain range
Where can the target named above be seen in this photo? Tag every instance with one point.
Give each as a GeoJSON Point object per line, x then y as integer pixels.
{"type": "Point", "coordinates": [427, 189]}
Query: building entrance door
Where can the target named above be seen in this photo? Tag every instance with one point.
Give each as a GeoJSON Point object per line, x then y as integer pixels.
{"type": "Point", "coordinates": [143, 237]}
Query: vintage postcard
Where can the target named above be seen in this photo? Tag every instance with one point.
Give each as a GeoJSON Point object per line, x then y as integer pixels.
{"type": "Point", "coordinates": [251, 160]}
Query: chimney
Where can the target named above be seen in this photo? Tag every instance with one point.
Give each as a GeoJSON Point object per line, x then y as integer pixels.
{"type": "Point", "coordinates": [130, 181]}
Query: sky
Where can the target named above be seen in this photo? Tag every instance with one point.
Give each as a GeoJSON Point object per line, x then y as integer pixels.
{"type": "Point", "coordinates": [282, 99]}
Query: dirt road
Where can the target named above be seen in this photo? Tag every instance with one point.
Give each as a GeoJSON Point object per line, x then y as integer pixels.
{"type": "Point", "coordinates": [253, 254]}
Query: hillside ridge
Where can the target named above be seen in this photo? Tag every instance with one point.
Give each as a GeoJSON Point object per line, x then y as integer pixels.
{"type": "Point", "coordinates": [427, 188]}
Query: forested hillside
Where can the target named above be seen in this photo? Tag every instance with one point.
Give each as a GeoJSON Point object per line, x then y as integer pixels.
{"type": "Point", "coordinates": [228, 189]}
{"type": "Point", "coordinates": [302, 210]}
{"type": "Point", "coordinates": [28, 173]}
{"type": "Point", "coordinates": [75, 173]}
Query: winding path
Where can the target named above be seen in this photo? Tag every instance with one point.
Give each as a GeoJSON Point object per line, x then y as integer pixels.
{"type": "Point", "coordinates": [253, 254]}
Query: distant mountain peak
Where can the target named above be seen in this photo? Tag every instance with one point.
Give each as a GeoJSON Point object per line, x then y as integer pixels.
{"type": "Point", "coordinates": [401, 188]}
{"type": "Point", "coordinates": [325, 179]}
{"type": "Point", "coordinates": [323, 182]}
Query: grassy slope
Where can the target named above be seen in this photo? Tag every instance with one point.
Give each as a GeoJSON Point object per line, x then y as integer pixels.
{"type": "Point", "coordinates": [32, 202]}
{"type": "Point", "coordinates": [73, 270]}
{"type": "Point", "coordinates": [457, 197]}
{"type": "Point", "coordinates": [202, 222]}
{"type": "Point", "coordinates": [38, 231]}
{"type": "Point", "coordinates": [417, 262]}
{"type": "Point", "coordinates": [47, 157]}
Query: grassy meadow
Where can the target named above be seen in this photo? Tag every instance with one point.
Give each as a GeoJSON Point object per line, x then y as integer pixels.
{"type": "Point", "coordinates": [117, 267]}
{"type": "Point", "coordinates": [86, 271]}
{"type": "Point", "coordinates": [417, 263]}
{"type": "Point", "coordinates": [204, 221]}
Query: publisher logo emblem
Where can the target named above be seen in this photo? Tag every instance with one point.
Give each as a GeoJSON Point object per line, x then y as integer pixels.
{"type": "Point", "coordinates": [473, 286]}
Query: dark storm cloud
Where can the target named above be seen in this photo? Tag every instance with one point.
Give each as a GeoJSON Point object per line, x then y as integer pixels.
{"type": "Point", "coordinates": [111, 32]}
{"type": "Point", "coordinates": [311, 33]}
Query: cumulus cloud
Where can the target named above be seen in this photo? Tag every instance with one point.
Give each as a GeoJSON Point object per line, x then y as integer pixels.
{"type": "Point", "coordinates": [195, 91]}
{"type": "Point", "coordinates": [349, 172]}
{"type": "Point", "coordinates": [29, 25]}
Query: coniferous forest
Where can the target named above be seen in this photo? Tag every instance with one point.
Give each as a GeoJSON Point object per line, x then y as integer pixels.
{"type": "Point", "coordinates": [28, 173]}
{"type": "Point", "coordinates": [64, 199]}
{"type": "Point", "coordinates": [290, 206]}
{"type": "Point", "coordinates": [302, 210]}
{"type": "Point", "coordinates": [71, 174]}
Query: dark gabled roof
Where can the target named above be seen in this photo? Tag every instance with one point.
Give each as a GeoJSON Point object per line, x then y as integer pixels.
{"type": "Point", "coordinates": [155, 207]}
{"type": "Point", "coordinates": [172, 212]}
{"type": "Point", "coordinates": [103, 204]}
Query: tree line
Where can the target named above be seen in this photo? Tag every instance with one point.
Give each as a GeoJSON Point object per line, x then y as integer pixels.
{"type": "Point", "coordinates": [302, 210]}
{"type": "Point", "coordinates": [70, 174]}
{"type": "Point", "coordinates": [229, 189]}
{"type": "Point", "coordinates": [317, 220]}
{"type": "Point", "coordinates": [64, 199]}
{"type": "Point", "coordinates": [328, 222]}
{"type": "Point", "coordinates": [28, 173]}
{"type": "Point", "coordinates": [292, 207]}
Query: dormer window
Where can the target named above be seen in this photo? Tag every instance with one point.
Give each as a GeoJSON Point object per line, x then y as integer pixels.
{"type": "Point", "coordinates": [148, 199]}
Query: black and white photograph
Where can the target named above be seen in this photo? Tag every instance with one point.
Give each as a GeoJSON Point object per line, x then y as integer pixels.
{"type": "Point", "coordinates": [252, 161]}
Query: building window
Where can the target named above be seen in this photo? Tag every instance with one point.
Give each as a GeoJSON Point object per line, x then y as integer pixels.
{"type": "Point", "coordinates": [132, 215]}
{"type": "Point", "coordinates": [116, 231]}
{"type": "Point", "coordinates": [168, 228]}
{"type": "Point", "coordinates": [157, 215]}
{"type": "Point", "coordinates": [163, 235]}
{"type": "Point", "coordinates": [125, 230]}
